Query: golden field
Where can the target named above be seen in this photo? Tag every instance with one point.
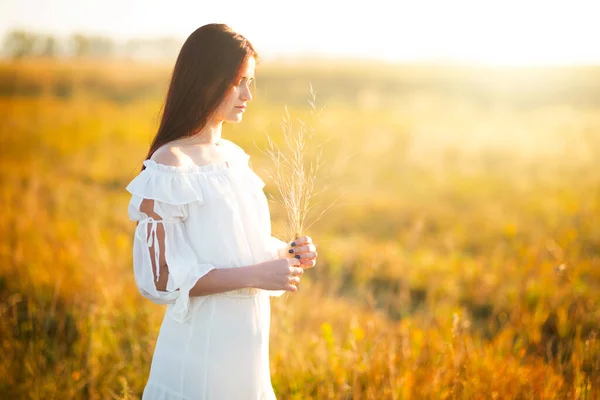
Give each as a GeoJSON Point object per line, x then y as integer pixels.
{"type": "Point", "coordinates": [461, 259]}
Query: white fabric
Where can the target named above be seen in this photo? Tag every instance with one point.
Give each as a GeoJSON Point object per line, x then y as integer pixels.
{"type": "Point", "coordinates": [214, 216]}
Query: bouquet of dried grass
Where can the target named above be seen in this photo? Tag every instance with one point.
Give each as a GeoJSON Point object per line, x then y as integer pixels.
{"type": "Point", "coordinates": [296, 166]}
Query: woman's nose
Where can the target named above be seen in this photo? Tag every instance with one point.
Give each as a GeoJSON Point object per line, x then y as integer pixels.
{"type": "Point", "coordinates": [246, 95]}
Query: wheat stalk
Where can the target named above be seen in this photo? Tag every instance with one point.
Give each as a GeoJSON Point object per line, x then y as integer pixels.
{"type": "Point", "coordinates": [294, 175]}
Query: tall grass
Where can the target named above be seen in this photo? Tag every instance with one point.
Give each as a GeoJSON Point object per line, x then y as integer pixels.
{"type": "Point", "coordinates": [457, 267]}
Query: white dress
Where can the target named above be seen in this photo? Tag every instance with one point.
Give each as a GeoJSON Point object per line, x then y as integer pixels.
{"type": "Point", "coordinates": [215, 216]}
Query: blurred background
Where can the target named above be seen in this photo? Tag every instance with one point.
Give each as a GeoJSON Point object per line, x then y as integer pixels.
{"type": "Point", "coordinates": [461, 141]}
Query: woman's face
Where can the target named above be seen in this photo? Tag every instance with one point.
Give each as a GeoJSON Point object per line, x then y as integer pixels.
{"type": "Point", "coordinates": [234, 104]}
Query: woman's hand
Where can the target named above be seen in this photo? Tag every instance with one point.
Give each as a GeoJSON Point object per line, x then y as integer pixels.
{"type": "Point", "coordinates": [277, 274]}
{"type": "Point", "coordinates": [304, 250]}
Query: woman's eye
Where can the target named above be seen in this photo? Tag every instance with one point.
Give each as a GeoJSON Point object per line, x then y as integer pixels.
{"type": "Point", "coordinates": [245, 81]}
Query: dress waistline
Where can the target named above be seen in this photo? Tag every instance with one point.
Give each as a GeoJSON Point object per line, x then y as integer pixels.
{"type": "Point", "coordinates": [244, 293]}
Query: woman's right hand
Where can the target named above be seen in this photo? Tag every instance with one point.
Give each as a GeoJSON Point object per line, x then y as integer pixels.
{"type": "Point", "coordinates": [277, 274]}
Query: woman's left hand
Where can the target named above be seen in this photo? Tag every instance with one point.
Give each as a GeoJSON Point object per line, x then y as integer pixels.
{"type": "Point", "coordinates": [304, 250]}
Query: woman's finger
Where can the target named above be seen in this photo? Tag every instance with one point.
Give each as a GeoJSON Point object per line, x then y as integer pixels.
{"type": "Point", "coordinates": [296, 270]}
{"type": "Point", "coordinates": [294, 280]}
{"type": "Point", "coordinates": [301, 241]}
{"type": "Point", "coordinates": [302, 249]}
{"type": "Point", "coordinates": [293, 261]}
{"type": "Point", "coordinates": [290, 288]}
{"type": "Point", "coordinates": [309, 255]}
{"type": "Point", "coordinates": [308, 263]}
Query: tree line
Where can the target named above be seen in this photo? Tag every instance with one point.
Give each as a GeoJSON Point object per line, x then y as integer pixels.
{"type": "Point", "coordinates": [20, 44]}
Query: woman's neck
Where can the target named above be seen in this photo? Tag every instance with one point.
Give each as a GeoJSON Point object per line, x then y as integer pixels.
{"type": "Point", "coordinates": [209, 134]}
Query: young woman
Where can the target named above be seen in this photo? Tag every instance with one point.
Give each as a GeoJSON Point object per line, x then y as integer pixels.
{"type": "Point", "coordinates": [203, 241]}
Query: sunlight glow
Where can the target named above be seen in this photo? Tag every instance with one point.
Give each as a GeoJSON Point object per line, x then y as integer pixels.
{"type": "Point", "coordinates": [489, 32]}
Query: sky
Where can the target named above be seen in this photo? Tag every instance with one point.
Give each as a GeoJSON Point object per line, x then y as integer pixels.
{"type": "Point", "coordinates": [507, 32]}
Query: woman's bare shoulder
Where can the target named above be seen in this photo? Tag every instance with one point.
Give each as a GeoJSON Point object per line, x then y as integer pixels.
{"type": "Point", "coordinates": [175, 155]}
{"type": "Point", "coordinates": [168, 155]}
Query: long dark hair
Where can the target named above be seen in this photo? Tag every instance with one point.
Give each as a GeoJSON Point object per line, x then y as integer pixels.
{"type": "Point", "coordinates": [207, 66]}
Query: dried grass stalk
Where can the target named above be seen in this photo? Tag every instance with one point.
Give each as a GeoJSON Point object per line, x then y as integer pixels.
{"type": "Point", "coordinates": [295, 172]}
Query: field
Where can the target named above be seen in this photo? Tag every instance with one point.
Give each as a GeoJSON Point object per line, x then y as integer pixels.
{"type": "Point", "coordinates": [461, 259]}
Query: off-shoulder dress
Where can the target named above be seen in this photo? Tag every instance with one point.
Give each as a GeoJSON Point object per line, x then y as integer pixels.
{"type": "Point", "coordinates": [213, 347]}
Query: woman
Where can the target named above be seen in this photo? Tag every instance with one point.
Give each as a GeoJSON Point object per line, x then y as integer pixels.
{"type": "Point", "coordinates": [203, 242]}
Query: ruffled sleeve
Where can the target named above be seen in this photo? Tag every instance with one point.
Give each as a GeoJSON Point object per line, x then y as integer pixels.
{"type": "Point", "coordinates": [171, 194]}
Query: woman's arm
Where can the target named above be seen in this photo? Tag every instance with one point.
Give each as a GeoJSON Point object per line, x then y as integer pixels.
{"type": "Point", "coordinates": [278, 274]}
{"type": "Point", "coordinates": [223, 280]}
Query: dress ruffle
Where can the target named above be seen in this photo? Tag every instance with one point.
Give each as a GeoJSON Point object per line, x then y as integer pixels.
{"type": "Point", "coordinates": [154, 391]}
{"type": "Point", "coordinates": [194, 183]}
